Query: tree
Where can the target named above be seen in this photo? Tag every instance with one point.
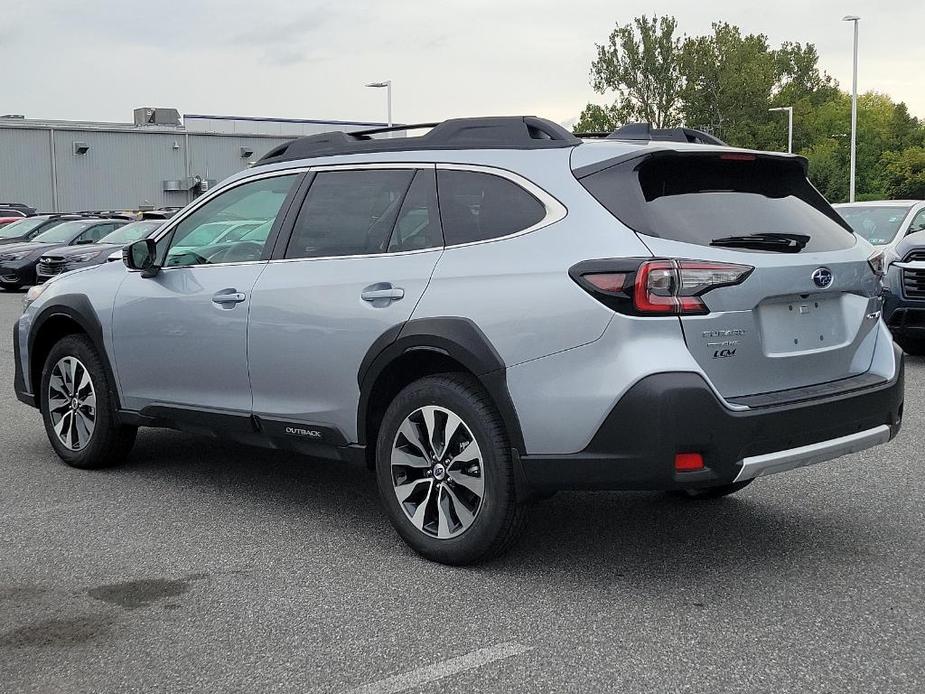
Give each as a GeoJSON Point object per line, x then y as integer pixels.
{"type": "Point", "coordinates": [725, 82]}
{"type": "Point", "coordinates": [799, 77]}
{"type": "Point", "coordinates": [828, 168]}
{"type": "Point", "coordinates": [729, 80]}
{"type": "Point", "coordinates": [640, 65]}
{"type": "Point", "coordinates": [904, 173]}
{"type": "Point", "coordinates": [603, 119]}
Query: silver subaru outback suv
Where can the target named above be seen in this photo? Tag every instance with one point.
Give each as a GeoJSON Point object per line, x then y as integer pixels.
{"type": "Point", "coordinates": [485, 314]}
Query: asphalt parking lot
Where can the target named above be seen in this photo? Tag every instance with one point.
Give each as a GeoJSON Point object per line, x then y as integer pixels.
{"type": "Point", "coordinates": [200, 566]}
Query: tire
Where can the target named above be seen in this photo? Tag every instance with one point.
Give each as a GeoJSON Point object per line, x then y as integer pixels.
{"type": "Point", "coordinates": [442, 517]}
{"type": "Point", "coordinates": [711, 492]}
{"type": "Point", "coordinates": [90, 437]}
{"type": "Point", "coordinates": [11, 287]}
{"type": "Point", "coordinates": [912, 346]}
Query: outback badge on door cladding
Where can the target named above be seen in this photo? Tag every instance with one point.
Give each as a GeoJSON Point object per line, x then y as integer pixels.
{"type": "Point", "coordinates": [822, 277]}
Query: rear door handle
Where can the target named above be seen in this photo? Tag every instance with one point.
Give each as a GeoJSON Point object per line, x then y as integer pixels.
{"type": "Point", "coordinates": [228, 297]}
{"type": "Point", "coordinates": [389, 294]}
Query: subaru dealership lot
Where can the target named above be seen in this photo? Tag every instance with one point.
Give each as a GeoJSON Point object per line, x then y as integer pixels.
{"type": "Point", "coordinates": [212, 567]}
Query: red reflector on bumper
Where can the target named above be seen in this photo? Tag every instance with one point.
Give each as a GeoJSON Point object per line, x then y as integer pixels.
{"type": "Point", "coordinates": [685, 462]}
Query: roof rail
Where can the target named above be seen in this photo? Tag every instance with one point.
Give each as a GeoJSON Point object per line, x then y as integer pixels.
{"type": "Point", "coordinates": [496, 132]}
{"type": "Point", "coordinates": [645, 132]}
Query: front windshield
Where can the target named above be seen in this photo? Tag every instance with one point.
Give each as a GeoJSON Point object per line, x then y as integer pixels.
{"type": "Point", "coordinates": [876, 224]}
{"type": "Point", "coordinates": [63, 233]}
{"type": "Point", "coordinates": [131, 232]}
{"type": "Point", "coordinates": [20, 228]}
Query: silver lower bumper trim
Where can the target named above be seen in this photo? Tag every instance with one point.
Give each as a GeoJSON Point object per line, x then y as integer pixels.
{"type": "Point", "coordinates": [780, 461]}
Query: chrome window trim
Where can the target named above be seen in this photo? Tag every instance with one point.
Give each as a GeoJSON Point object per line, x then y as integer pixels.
{"type": "Point", "coordinates": [433, 249]}
{"type": "Point", "coordinates": [192, 267]}
{"type": "Point", "coordinates": [555, 210]}
{"type": "Point", "coordinates": [320, 168]}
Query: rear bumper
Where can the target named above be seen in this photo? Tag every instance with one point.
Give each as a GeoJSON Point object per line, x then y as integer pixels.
{"type": "Point", "coordinates": [669, 413]}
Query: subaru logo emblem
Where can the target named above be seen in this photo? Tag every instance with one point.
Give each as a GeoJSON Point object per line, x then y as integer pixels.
{"type": "Point", "coordinates": [823, 277]}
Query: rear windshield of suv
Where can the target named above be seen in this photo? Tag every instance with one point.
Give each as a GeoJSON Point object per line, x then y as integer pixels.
{"type": "Point", "coordinates": [728, 200]}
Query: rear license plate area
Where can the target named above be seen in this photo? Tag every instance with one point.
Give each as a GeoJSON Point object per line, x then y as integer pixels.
{"type": "Point", "coordinates": [801, 324]}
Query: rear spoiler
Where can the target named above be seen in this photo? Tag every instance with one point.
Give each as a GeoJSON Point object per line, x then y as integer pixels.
{"type": "Point", "coordinates": [726, 153]}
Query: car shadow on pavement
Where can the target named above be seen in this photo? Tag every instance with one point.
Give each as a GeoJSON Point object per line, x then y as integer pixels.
{"type": "Point", "coordinates": [591, 538]}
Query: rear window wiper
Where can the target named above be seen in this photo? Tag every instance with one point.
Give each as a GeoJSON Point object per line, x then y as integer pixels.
{"type": "Point", "coordinates": [769, 241]}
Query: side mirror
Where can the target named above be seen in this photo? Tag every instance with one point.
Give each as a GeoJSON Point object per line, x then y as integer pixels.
{"type": "Point", "coordinates": [141, 255]}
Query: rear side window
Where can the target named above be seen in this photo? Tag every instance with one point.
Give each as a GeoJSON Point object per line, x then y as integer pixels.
{"type": "Point", "coordinates": [714, 199]}
{"type": "Point", "coordinates": [477, 206]}
{"type": "Point", "coordinates": [418, 223]}
{"type": "Point", "coordinates": [349, 213]}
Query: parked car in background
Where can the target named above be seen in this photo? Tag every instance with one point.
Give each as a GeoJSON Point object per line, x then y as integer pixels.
{"type": "Point", "coordinates": [67, 258]}
{"type": "Point", "coordinates": [8, 220]}
{"type": "Point", "coordinates": [22, 208]}
{"type": "Point", "coordinates": [160, 213]}
{"type": "Point", "coordinates": [18, 260]}
{"type": "Point", "coordinates": [884, 223]}
{"type": "Point", "coordinates": [26, 229]}
{"type": "Point", "coordinates": [897, 226]}
{"type": "Point", "coordinates": [904, 293]}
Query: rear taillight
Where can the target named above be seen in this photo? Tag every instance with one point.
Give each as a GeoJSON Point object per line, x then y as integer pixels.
{"type": "Point", "coordinates": [877, 262]}
{"type": "Point", "coordinates": [661, 287]}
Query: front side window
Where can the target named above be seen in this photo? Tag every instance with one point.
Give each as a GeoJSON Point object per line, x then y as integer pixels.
{"type": "Point", "coordinates": [918, 223]}
{"type": "Point", "coordinates": [208, 235]}
{"type": "Point", "coordinates": [478, 206]}
{"type": "Point", "coordinates": [95, 233]}
{"type": "Point", "coordinates": [349, 213]}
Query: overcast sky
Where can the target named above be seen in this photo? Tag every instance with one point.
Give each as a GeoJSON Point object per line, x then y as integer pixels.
{"type": "Point", "coordinates": [96, 60]}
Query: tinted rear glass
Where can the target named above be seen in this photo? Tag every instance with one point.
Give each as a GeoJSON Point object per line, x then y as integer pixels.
{"type": "Point", "coordinates": [349, 213]}
{"type": "Point", "coordinates": [478, 206]}
{"type": "Point", "coordinates": [706, 199]}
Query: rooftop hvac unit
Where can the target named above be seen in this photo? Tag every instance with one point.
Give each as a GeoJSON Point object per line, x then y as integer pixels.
{"type": "Point", "coordinates": [147, 115]}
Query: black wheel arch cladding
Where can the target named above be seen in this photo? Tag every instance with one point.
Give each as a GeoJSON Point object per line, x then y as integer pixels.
{"type": "Point", "coordinates": [77, 309]}
{"type": "Point", "coordinates": [455, 337]}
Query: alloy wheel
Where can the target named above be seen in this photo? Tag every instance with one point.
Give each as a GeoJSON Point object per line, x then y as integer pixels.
{"type": "Point", "coordinates": [437, 472]}
{"type": "Point", "coordinates": [72, 403]}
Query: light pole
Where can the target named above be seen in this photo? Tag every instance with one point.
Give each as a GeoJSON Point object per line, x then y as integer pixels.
{"type": "Point", "coordinates": [854, 104]}
{"type": "Point", "coordinates": [388, 86]}
{"type": "Point", "coordinates": [789, 110]}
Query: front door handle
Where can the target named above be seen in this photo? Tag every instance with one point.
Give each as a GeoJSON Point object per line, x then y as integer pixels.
{"type": "Point", "coordinates": [227, 297]}
{"type": "Point", "coordinates": [382, 293]}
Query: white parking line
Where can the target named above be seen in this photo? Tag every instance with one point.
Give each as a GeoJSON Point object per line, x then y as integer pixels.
{"type": "Point", "coordinates": [445, 668]}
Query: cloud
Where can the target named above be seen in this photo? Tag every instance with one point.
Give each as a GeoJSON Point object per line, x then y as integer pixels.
{"type": "Point", "coordinates": [445, 57]}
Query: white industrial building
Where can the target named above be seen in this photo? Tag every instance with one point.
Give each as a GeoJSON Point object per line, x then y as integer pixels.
{"type": "Point", "coordinates": [157, 160]}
